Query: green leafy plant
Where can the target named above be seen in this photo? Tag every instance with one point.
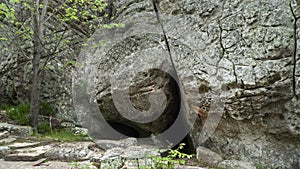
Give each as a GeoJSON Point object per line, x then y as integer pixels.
{"type": "Point", "coordinates": [46, 109]}
{"type": "Point", "coordinates": [260, 166]}
{"type": "Point", "coordinates": [174, 157]}
{"type": "Point", "coordinates": [44, 127]}
{"type": "Point", "coordinates": [65, 136]}
{"type": "Point", "coordinates": [19, 113]}
{"type": "Point", "coordinates": [76, 165]}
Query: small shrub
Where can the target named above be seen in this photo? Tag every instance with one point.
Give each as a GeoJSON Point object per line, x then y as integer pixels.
{"type": "Point", "coordinates": [174, 157]}
{"type": "Point", "coordinates": [44, 127]}
{"type": "Point", "coordinates": [66, 136]}
{"type": "Point", "coordinates": [19, 113]}
{"type": "Point", "coordinates": [46, 109]}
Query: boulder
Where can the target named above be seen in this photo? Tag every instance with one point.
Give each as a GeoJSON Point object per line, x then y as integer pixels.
{"type": "Point", "coordinates": [16, 130]}
{"type": "Point", "coordinates": [244, 51]}
{"type": "Point", "coordinates": [237, 56]}
{"type": "Point", "coordinates": [233, 164]}
{"type": "Point", "coordinates": [79, 131]}
{"type": "Point", "coordinates": [207, 156]}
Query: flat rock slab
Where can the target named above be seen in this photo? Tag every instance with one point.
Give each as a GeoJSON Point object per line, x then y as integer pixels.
{"type": "Point", "coordinates": [233, 164]}
{"type": "Point", "coordinates": [78, 151]}
{"type": "Point", "coordinates": [33, 165]}
{"type": "Point", "coordinates": [31, 156]}
{"type": "Point", "coordinates": [28, 154]}
{"type": "Point", "coordinates": [109, 144]}
{"type": "Point", "coordinates": [4, 134]}
{"type": "Point", "coordinates": [23, 145]}
{"type": "Point", "coordinates": [8, 140]}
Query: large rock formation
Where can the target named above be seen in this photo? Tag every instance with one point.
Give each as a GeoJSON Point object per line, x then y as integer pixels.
{"type": "Point", "coordinates": [247, 48]}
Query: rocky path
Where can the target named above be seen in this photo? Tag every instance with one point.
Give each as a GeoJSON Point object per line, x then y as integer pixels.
{"type": "Point", "coordinates": [19, 150]}
{"type": "Point", "coordinates": [34, 165]}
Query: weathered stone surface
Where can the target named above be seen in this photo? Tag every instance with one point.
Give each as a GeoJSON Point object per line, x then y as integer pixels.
{"type": "Point", "coordinates": [132, 152]}
{"type": "Point", "coordinates": [4, 134]}
{"type": "Point", "coordinates": [188, 167]}
{"type": "Point", "coordinates": [8, 140]}
{"type": "Point", "coordinates": [16, 74]}
{"type": "Point", "coordinates": [16, 130]}
{"type": "Point", "coordinates": [243, 47]}
{"type": "Point", "coordinates": [32, 156]}
{"type": "Point", "coordinates": [79, 131]}
{"type": "Point", "coordinates": [27, 154]}
{"type": "Point", "coordinates": [206, 155]}
{"type": "Point", "coordinates": [233, 164]}
{"type": "Point", "coordinates": [247, 45]}
{"type": "Point", "coordinates": [4, 150]}
{"type": "Point", "coordinates": [127, 157]}
{"type": "Point", "coordinates": [72, 151]}
{"type": "Point", "coordinates": [24, 145]}
{"type": "Point", "coordinates": [109, 144]}
{"type": "Point", "coordinates": [31, 165]}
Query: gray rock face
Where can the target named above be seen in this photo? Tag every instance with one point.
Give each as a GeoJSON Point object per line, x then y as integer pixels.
{"type": "Point", "coordinates": [16, 130]}
{"type": "Point", "coordinates": [208, 156]}
{"type": "Point", "coordinates": [244, 48]}
{"type": "Point", "coordinates": [247, 47]}
{"type": "Point", "coordinates": [109, 144]}
{"type": "Point", "coordinates": [16, 75]}
{"type": "Point", "coordinates": [233, 164]}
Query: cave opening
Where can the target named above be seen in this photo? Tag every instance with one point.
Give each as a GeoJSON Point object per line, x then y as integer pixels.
{"type": "Point", "coordinates": [188, 147]}
{"type": "Point", "coordinates": [155, 78]}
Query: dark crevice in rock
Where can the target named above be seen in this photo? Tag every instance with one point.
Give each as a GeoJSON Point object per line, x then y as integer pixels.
{"type": "Point", "coordinates": [130, 131]}
{"type": "Point", "coordinates": [189, 147]}
{"type": "Point", "coordinates": [295, 50]}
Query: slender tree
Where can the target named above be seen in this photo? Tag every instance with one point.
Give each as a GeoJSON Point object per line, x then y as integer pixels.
{"type": "Point", "coordinates": [38, 27]}
{"type": "Point", "coordinates": [44, 29]}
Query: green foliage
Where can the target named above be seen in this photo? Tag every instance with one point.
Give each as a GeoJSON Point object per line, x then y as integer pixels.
{"type": "Point", "coordinates": [44, 127]}
{"type": "Point", "coordinates": [260, 166]}
{"type": "Point", "coordinates": [85, 12]}
{"type": "Point", "coordinates": [19, 113]}
{"type": "Point", "coordinates": [174, 157]}
{"type": "Point", "coordinates": [65, 136]}
{"type": "Point", "coordinates": [46, 109]}
{"type": "Point", "coordinates": [76, 165]}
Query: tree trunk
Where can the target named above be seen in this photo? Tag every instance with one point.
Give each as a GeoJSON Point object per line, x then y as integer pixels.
{"type": "Point", "coordinates": [38, 20]}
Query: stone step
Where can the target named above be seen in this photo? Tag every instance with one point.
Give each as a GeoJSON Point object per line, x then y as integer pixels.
{"type": "Point", "coordinates": [32, 156]}
{"type": "Point", "coordinates": [4, 150]}
{"type": "Point", "coordinates": [28, 154]}
{"type": "Point", "coordinates": [24, 145]}
{"type": "Point", "coordinates": [4, 134]}
{"type": "Point", "coordinates": [8, 140]}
